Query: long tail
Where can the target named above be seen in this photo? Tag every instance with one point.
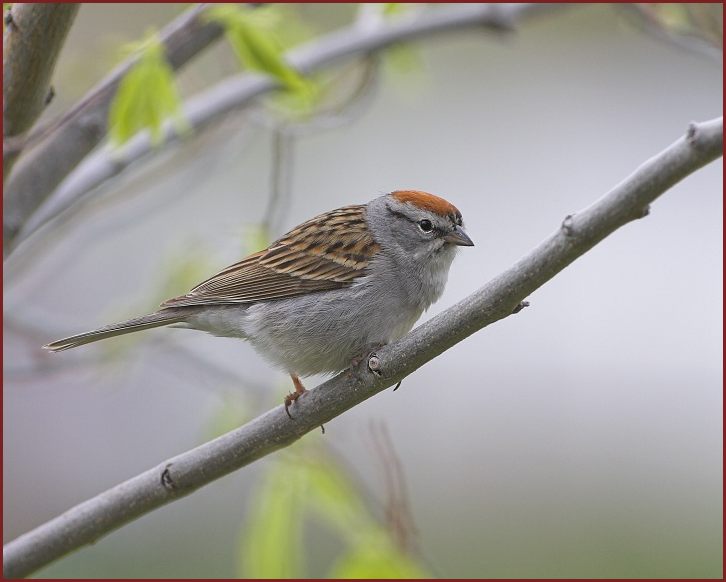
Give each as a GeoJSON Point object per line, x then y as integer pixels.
{"type": "Point", "coordinates": [157, 319]}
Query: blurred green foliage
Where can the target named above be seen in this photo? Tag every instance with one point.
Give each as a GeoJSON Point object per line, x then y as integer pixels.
{"type": "Point", "coordinates": [147, 95]}
{"type": "Point", "coordinates": [305, 482]}
{"type": "Point", "coordinates": [252, 33]}
{"type": "Point", "coordinates": [257, 237]}
{"type": "Point", "coordinates": [185, 269]}
{"type": "Point", "coordinates": [6, 8]}
{"type": "Point", "coordinates": [702, 20]}
{"type": "Point", "coordinates": [181, 271]}
{"type": "Point", "coordinates": [400, 58]}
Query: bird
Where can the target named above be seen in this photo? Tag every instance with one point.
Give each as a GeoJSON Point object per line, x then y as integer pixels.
{"type": "Point", "coordinates": [327, 292]}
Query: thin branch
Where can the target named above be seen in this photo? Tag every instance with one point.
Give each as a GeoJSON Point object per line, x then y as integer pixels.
{"type": "Point", "coordinates": [397, 509]}
{"type": "Point", "coordinates": [33, 39]}
{"type": "Point", "coordinates": [187, 472]}
{"type": "Point", "coordinates": [68, 140]}
{"type": "Point", "coordinates": [280, 179]}
{"type": "Point", "coordinates": [241, 90]}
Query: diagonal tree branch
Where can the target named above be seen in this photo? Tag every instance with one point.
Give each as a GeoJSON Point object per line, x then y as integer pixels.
{"type": "Point", "coordinates": [68, 140]}
{"type": "Point", "coordinates": [240, 91]}
{"type": "Point", "coordinates": [33, 38]}
{"type": "Point", "coordinates": [273, 430]}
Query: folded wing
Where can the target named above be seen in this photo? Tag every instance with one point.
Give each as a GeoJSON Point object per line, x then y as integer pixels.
{"type": "Point", "coordinates": [327, 252]}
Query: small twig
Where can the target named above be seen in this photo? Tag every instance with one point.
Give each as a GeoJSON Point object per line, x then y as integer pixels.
{"type": "Point", "coordinates": [397, 508]}
{"type": "Point", "coordinates": [280, 178]}
{"type": "Point", "coordinates": [284, 134]}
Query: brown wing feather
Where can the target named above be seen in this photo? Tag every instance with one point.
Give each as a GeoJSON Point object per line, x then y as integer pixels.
{"type": "Point", "coordinates": [327, 252]}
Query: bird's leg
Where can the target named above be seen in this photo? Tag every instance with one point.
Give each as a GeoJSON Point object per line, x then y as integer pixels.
{"type": "Point", "coordinates": [293, 396]}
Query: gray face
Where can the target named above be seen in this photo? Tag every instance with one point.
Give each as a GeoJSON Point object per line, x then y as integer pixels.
{"type": "Point", "coordinates": [414, 230]}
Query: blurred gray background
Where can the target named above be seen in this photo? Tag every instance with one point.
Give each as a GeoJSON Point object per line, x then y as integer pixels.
{"type": "Point", "coordinates": [579, 438]}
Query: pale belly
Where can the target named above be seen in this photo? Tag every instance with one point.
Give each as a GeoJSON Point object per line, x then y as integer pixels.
{"type": "Point", "coordinates": [313, 334]}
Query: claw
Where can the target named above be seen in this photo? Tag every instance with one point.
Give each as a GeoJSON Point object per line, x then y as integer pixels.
{"type": "Point", "coordinates": [293, 396]}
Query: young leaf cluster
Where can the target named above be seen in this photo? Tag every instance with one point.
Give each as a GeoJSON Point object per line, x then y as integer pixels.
{"type": "Point", "coordinates": [252, 34]}
{"type": "Point", "coordinates": [147, 95]}
{"type": "Point", "coordinates": [308, 483]}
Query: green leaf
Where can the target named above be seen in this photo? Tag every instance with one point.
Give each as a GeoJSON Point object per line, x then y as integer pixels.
{"type": "Point", "coordinates": [250, 32]}
{"type": "Point", "coordinates": [147, 95]}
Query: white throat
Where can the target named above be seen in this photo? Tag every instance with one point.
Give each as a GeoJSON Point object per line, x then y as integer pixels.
{"type": "Point", "coordinates": [435, 275]}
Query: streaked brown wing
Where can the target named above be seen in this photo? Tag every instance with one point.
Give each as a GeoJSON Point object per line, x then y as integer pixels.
{"type": "Point", "coordinates": [327, 252]}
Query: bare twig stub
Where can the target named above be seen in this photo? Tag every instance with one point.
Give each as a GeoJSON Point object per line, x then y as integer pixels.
{"type": "Point", "coordinates": [31, 45]}
{"type": "Point", "coordinates": [273, 430]}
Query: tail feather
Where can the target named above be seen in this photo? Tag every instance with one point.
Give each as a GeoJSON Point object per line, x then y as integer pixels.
{"type": "Point", "coordinates": [157, 319]}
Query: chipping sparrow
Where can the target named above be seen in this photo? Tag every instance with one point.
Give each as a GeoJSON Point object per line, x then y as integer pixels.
{"type": "Point", "coordinates": [336, 286]}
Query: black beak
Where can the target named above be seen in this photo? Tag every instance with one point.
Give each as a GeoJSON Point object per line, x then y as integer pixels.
{"type": "Point", "coordinates": [459, 238]}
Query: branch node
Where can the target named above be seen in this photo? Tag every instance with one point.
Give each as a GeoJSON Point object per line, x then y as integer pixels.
{"type": "Point", "coordinates": [374, 364]}
{"type": "Point", "coordinates": [49, 97]}
{"type": "Point", "coordinates": [501, 20]}
{"type": "Point", "coordinates": [568, 228]}
{"type": "Point", "coordinates": [691, 134]}
{"type": "Point", "coordinates": [520, 306]}
{"type": "Point", "coordinates": [694, 137]}
{"type": "Point", "coordinates": [92, 122]}
{"type": "Point", "coordinates": [166, 480]}
{"type": "Point", "coordinates": [645, 211]}
{"type": "Point", "coordinates": [9, 20]}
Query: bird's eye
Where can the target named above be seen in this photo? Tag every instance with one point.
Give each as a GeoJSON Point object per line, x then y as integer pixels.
{"type": "Point", "coordinates": [425, 225]}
